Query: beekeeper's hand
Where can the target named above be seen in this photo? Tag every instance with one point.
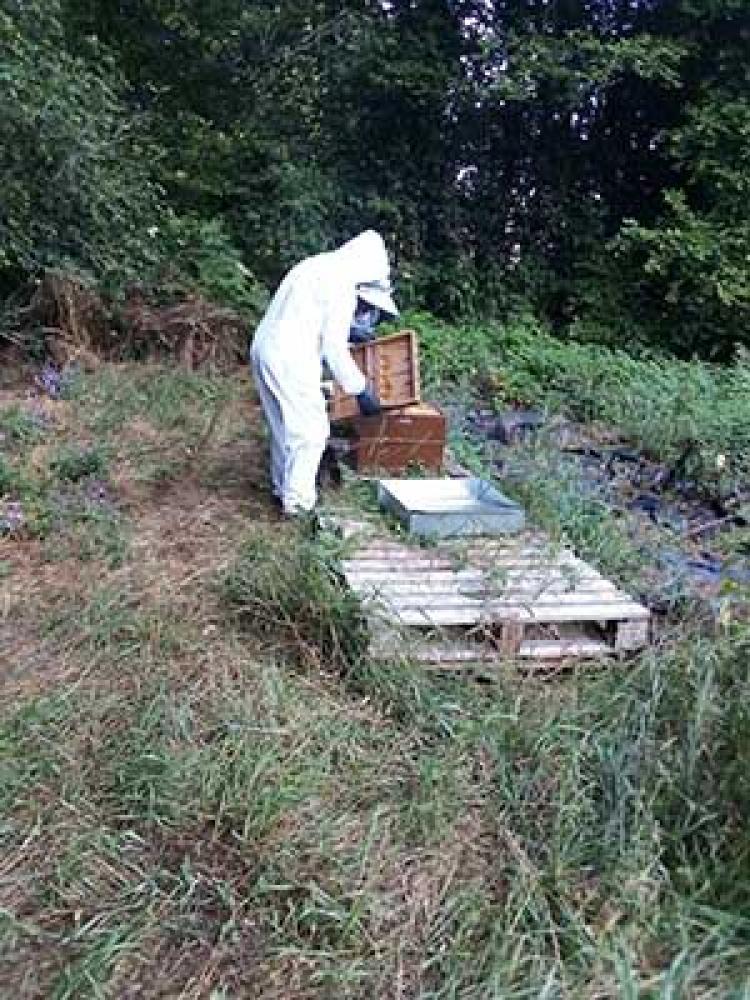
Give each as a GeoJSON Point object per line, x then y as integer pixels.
{"type": "Point", "coordinates": [369, 404]}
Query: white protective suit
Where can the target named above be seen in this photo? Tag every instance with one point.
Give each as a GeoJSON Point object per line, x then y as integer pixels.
{"type": "Point", "coordinates": [307, 323]}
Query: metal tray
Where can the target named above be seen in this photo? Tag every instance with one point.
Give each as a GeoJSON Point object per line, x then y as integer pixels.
{"type": "Point", "coordinates": [443, 508]}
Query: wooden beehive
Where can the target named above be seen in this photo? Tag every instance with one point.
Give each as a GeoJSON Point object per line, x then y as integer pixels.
{"type": "Point", "coordinates": [391, 367]}
{"type": "Point", "coordinates": [398, 439]}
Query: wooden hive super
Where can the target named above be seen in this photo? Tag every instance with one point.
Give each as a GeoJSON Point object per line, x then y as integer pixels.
{"type": "Point", "coordinates": [391, 367]}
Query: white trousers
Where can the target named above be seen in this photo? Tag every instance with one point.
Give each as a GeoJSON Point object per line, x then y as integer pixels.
{"type": "Point", "coordinates": [295, 412]}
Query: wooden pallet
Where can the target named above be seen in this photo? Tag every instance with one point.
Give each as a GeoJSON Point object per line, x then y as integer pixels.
{"type": "Point", "coordinates": [454, 605]}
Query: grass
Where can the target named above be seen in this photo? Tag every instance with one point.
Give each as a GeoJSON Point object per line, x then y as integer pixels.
{"type": "Point", "coordinates": [19, 427]}
{"type": "Point", "coordinates": [207, 790]}
{"type": "Point", "coordinates": [691, 413]}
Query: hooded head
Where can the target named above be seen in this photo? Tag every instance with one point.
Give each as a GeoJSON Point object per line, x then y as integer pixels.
{"type": "Point", "coordinates": [365, 260]}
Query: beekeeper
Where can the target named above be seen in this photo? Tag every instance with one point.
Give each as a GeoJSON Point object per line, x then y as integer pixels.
{"type": "Point", "coordinates": [307, 323]}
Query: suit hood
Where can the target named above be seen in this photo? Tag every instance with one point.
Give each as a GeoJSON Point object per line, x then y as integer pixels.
{"type": "Point", "coordinates": [365, 258]}
{"type": "Point", "coordinates": [365, 261]}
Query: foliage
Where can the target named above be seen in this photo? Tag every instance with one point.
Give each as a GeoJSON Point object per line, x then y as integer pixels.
{"type": "Point", "coordinates": [576, 62]}
{"type": "Point", "coordinates": [299, 600]}
{"type": "Point", "coordinates": [665, 406]}
{"type": "Point", "coordinates": [198, 255]}
{"type": "Point", "coordinates": [695, 273]}
{"type": "Point", "coordinates": [19, 428]}
{"type": "Point", "coordinates": [74, 463]}
{"type": "Point", "coordinates": [498, 146]}
{"type": "Point", "coordinates": [73, 159]}
{"type": "Point", "coordinates": [188, 781]}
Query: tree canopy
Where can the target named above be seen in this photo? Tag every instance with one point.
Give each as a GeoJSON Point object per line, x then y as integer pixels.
{"type": "Point", "coordinates": [588, 158]}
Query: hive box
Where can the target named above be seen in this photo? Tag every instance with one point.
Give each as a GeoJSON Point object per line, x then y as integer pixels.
{"type": "Point", "coordinates": [396, 440]}
{"type": "Point", "coordinates": [391, 367]}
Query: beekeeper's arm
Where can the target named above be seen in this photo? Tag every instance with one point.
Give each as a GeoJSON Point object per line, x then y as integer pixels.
{"type": "Point", "coordinates": [335, 345]}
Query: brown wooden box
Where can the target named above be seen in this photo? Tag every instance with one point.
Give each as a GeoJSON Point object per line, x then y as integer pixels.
{"type": "Point", "coordinates": [391, 367]}
{"type": "Point", "coordinates": [398, 439]}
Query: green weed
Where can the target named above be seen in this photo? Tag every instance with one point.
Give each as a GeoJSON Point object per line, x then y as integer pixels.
{"type": "Point", "coordinates": [72, 463]}
{"type": "Point", "coordinates": [169, 398]}
{"type": "Point", "coordinates": [18, 429]}
{"type": "Point", "coordinates": [215, 792]}
{"type": "Point", "coordinates": [91, 534]}
{"type": "Point", "coordinates": [690, 413]}
{"type": "Point", "coordinates": [10, 479]}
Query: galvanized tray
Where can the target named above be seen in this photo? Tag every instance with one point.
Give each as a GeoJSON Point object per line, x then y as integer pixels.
{"type": "Point", "coordinates": [442, 508]}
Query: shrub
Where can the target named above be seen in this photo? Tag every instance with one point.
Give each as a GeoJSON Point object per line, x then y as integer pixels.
{"type": "Point", "coordinates": [201, 256]}
{"type": "Point", "coordinates": [74, 464]}
{"type": "Point", "coordinates": [687, 410]}
{"type": "Point", "coordinates": [76, 189]}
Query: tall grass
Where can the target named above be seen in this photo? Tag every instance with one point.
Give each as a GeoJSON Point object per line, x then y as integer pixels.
{"type": "Point", "coordinates": [576, 839]}
{"type": "Point", "coordinates": [232, 800]}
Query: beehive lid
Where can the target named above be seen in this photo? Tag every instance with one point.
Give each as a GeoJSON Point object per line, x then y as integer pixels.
{"type": "Point", "coordinates": [450, 507]}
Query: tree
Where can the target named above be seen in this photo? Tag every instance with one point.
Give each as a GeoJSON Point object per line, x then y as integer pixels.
{"type": "Point", "coordinates": [75, 191]}
{"type": "Point", "coordinates": [689, 268]}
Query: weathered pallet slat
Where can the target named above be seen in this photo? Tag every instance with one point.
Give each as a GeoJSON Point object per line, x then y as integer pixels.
{"type": "Point", "coordinates": [444, 617]}
{"type": "Point", "coordinates": [457, 657]}
{"type": "Point", "coordinates": [521, 602]}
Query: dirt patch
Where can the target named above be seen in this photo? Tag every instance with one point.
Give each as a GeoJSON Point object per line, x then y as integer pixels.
{"type": "Point", "coordinates": [182, 529]}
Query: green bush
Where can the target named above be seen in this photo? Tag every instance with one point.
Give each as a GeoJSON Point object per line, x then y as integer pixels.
{"type": "Point", "coordinates": [682, 282]}
{"type": "Point", "coordinates": [199, 255]}
{"type": "Point", "coordinates": [73, 165]}
{"type": "Point", "coordinates": [9, 480]}
{"type": "Point", "coordinates": [18, 429]}
{"type": "Point", "coordinates": [671, 408]}
{"type": "Point", "coordinates": [74, 464]}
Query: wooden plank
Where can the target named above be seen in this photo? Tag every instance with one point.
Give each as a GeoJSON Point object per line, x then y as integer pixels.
{"type": "Point", "coordinates": [382, 566]}
{"type": "Point", "coordinates": [409, 575]}
{"type": "Point", "coordinates": [502, 606]}
{"type": "Point", "coordinates": [557, 649]}
{"type": "Point", "coordinates": [632, 635]}
{"type": "Point", "coordinates": [457, 601]}
{"type": "Point", "coordinates": [442, 617]}
{"type": "Point", "coordinates": [458, 655]}
{"type": "Point", "coordinates": [398, 562]}
{"type": "Point", "coordinates": [357, 577]}
{"type": "Point", "coordinates": [380, 550]}
{"type": "Point", "coordinates": [395, 563]}
{"type": "Point", "coordinates": [437, 591]}
{"type": "Point", "coordinates": [457, 597]}
{"type": "Point", "coordinates": [390, 562]}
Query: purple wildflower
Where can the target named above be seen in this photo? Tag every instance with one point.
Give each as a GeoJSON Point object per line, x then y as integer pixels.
{"type": "Point", "coordinates": [56, 382]}
{"type": "Point", "coordinates": [12, 518]}
{"type": "Point", "coordinates": [49, 380]}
